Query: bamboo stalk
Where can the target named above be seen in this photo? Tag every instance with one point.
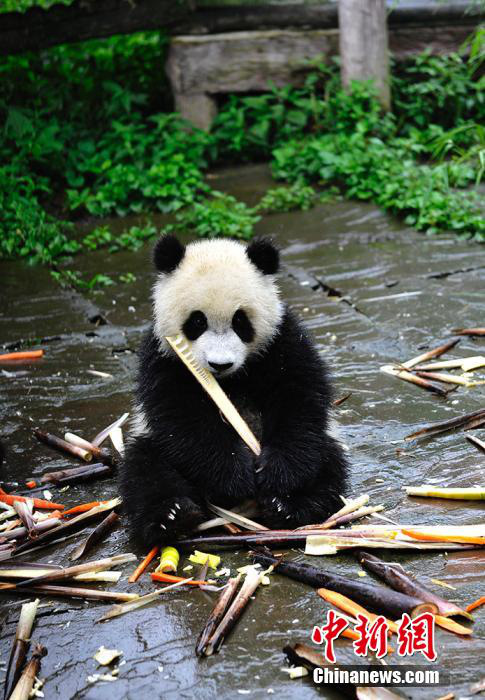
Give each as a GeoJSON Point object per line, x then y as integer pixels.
{"type": "Point", "coordinates": [476, 442]}
{"type": "Point", "coordinates": [374, 597]}
{"type": "Point", "coordinates": [216, 615]}
{"type": "Point", "coordinates": [445, 426]}
{"type": "Point", "coordinates": [234, 612]}
{"type": "Point", "coordinates": [413, 379]}
{"type": "Point", "coordinates": [96, 536]}
{"type": "Point", "coordinates": [137, 602]}
{"type": "Point", "coordinates": [70, 524]}
{"type": "Point", "coordinates": [436, 352]}
{"type": "Point", "coordinates": [62, 446]}
{"type": "Point", "coordinates": [20, 646]}
{"type": "Point", "coordinates": [69, 592]}
{"type": "Point", "coordinates": [473, 493]}
{"type": "Point", "coordinates": [395, 576]}
{"type": "Point", "coordinates": [446, 378]}
{"type": "Point", "coordinates": [26, 682]}
{"type": "Point", "coordinates": [466, 364]}
{"type": "Point", "coordinates": [475, 423]}
{"type": "Point", "coordinates": [101, 454]}
{"type": "Point", "coordinates": [70, 571]}
{"type": "Point", "coordinates": [344, 519]}
{"type": "Point", "coordinates": [469, 331]}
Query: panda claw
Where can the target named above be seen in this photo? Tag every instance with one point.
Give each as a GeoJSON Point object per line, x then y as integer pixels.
{"type": "Point", "coordinates": [177, 505]}
{"type": "Point", "coordinates": [171, 516]}
{"type": "Point", "coordinates": [164, 527]}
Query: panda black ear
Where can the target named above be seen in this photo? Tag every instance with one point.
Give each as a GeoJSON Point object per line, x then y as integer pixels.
{"type": "Point", "coordinates": [168, 253]}
{"type": "Point", "coordinates": [264, 255]}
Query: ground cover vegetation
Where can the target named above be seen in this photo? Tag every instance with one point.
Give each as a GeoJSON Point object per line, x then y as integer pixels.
{"type": "Point", "coordinates": [89, 132]}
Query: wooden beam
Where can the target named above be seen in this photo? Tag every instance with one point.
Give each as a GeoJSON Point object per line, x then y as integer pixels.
{"type": "Point", "coordinates": [85, 19]}
{"type": "Point", "coordinates": [88, 19]}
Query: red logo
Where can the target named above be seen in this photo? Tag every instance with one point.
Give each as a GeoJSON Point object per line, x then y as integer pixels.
{"type": "Point", "coordinates": [412, 635]}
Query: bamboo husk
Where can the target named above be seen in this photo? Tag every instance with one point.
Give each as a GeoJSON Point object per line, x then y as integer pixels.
{"type": "Point", "coordinates": [374, 597]}
{"type": "Point", "coordinates": [445, 426]}
{"type": "Point", "coordinates": [413, 379]}
{"type": "Point", "coordinates": [473, 493]}
{"type": "Point", "coordinates": [138, 602]}
{"type": "Point", "coordinates": [469, 331]}
{"type": "Point", "coordinates": [52, 534]}
{"type": "Point", "coordinates": [70, 571]}
{"type": "Point", "coordinates": [43, 526]}
{"type": "Point", "coordinates": [236, 518]}
{"type": "Point", "coordinates": [26, 682]}
{"type": "Point", "coordinates": [96, 536]}
{"type": "Point", "coordinates": [479, 444]}
{"type": "Point", "coordinates": [56, 476]}
{"type": "Point", "coordinates": [436, 352]}
{"type": "Point", "coordinates": [103, 434]}
{"type": "Point", "coordinates": [61, 445]}
{"type": "Point", "coordinates": [116, 437]}
{"type": "Point", "coordinates": [395, 576]}
{"type": "Point", "coordinates": [101, 454]}
{"type": "Point", "coordinates": [234, 612]}
{"type": "Point", "coordinates": [216, 615]}
{"type": "Point", "coordinates": [20, 646]}
{"type": "Point", "coordinates": [69, 592]}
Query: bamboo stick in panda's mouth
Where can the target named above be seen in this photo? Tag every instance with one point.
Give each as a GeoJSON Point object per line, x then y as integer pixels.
{"type": "Point", "coordinates": [182, 348]}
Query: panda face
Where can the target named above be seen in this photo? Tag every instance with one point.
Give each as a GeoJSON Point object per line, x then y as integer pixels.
{"type": "Point", "coordinates": [219, 346]}
{"type": "Point", "coordinates": [221, 295]}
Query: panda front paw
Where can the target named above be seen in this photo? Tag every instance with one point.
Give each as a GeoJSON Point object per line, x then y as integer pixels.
{"type": "Point", "coordinates": [277, 511]}
{"type": "Point", "coordinates": [179, 515]}
{"type": "Point", "coordinates": [174, 517]}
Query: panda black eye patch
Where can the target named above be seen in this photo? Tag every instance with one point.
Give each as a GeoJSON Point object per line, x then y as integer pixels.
{"type": "Point", "coordinates": [195, 325]}
{"type": "Point", "coordinates": [243, 326]}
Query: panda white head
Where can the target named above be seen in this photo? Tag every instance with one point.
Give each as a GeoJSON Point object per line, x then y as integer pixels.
{"type": "Point", "coordinates": [221, 294]}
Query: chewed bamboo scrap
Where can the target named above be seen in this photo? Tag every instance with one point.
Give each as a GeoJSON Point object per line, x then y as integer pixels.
{"type": "Point", "coordinates": [447, 378]}
{"type": "Point", "coordinates": [103, 434]}
{"type": "Point", "coordinates": [71, 571]}
{"type": "Point", "coordinates": [137, 602]}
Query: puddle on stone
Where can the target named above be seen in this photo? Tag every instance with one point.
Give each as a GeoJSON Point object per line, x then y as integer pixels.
{"type": "Point", "coordinates": [399, 292]}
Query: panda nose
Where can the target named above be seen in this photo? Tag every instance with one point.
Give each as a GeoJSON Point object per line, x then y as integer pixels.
{"type": "Point", "coordinates": [221, 367]}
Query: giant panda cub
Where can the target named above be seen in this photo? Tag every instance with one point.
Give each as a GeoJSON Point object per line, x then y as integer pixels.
{"type": "Point", "coordinates": [223, 296]}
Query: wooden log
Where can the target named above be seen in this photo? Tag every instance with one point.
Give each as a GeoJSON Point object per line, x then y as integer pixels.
{"type": "Point", "coordinates": [38, 28]}
{"type": "Point", "coordinates": [364, 52]}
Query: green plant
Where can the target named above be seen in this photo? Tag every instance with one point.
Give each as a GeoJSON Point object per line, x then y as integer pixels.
{"type": "Point", "coordinates": [296, 196]}
{"type": "Point", "coordinates": [220, 215]}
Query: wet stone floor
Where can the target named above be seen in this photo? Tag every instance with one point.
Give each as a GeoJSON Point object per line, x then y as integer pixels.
{"type": "Point", "coordinates": [372, 292]}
